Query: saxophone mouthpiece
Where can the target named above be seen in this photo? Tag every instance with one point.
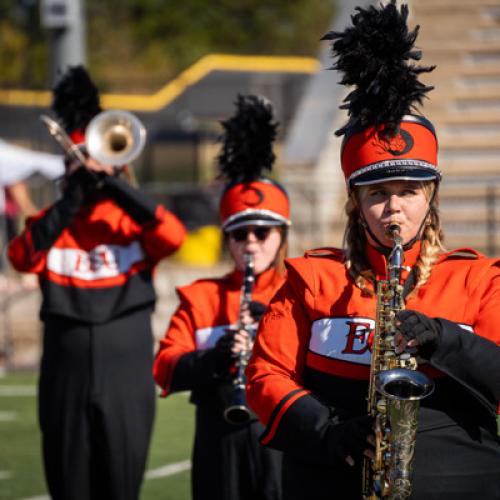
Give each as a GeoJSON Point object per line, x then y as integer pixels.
{"type": "Point", "coordinates": [393, 230]}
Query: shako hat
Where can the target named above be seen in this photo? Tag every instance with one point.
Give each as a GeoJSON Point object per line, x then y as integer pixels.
{"type": "Point", "coordinates": [382, 140]}
{"type": "Point", "coordinates": [249, 197]}
{"type": "Point", "coordinates": [75, 101]}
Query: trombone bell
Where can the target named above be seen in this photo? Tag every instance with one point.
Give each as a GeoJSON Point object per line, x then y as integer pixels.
{"type": "Point", "coordinates": [115, 137]}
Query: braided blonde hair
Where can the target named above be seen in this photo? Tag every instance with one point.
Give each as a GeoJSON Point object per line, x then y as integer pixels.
{"type": "Point", "coordinates": [355, 241]}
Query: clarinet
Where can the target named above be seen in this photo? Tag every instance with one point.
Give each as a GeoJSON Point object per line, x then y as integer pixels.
{"type": "Point", "coordinates": [237, 411]}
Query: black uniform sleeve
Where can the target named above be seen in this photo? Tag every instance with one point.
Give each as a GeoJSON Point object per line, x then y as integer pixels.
{"type": "Point", "coordinates": [195, 369]}
{"type": "Point", "coordinates": [135, 203]}
{"type": "Point", "coordinates": [318, 433]}
{"type": "Point", "coordinates": [471, 360]}
{"type": "Point", "coordinates": [179, 365]}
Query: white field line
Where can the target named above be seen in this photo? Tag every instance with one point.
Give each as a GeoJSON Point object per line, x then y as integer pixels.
{"type": "Point", "coordinates": [168, 470]}
{"type": "Point", "coordinates": [17, 390]}
{"type": "Point", "coordinates": [8, 416]}
{"type": "Point", "coordinates": [5, 474]}
{"type": "Point", "coordinates": [165, 471]}
{"type": "Point", "coordinates": [30, 390]}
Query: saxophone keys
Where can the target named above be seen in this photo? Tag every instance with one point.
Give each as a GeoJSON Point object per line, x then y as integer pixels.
{"type": "Point", "coordinates": [382, 406]}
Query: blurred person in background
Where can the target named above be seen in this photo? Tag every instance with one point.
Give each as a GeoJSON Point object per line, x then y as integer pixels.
{"type": "Point", "coordinates": [18, 203]}
{"type": "Point", "coordinates": [211, 331]}
{"type": "Point", "coordinates": [94, 251]}
{"type": "Point", "coordinates": [17, 164]}
{"type": "Point", "coordinates": [308, 377]}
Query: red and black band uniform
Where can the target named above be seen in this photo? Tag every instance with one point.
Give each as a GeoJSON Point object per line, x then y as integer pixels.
{"type": "Point", "coordinates": [310, 369]}
{"type": "Point", "coordinates": [94, 251]}
{"type": "Point", "coordinates": [228, 461]}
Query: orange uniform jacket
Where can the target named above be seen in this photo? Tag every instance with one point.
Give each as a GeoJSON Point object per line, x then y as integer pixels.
{"type": "Point", "coordinates": [207, 309]}
{"type": "Point", "coordinates": [99, 266]}
{"type": "Point", "coordinates": [311, 360]}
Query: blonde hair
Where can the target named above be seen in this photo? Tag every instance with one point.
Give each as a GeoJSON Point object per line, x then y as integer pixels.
{"type": "Point", "coordinates": [355, 241]}
{"type": "Point", "coordinates": [279, 261]}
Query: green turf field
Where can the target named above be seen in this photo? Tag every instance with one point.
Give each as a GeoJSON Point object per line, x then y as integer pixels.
{"type": "Point", "coordinates": [21, 475]}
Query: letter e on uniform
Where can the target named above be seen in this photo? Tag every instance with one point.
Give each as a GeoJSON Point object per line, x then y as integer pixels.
{"type": "Point", "coordinates": [357, 337]}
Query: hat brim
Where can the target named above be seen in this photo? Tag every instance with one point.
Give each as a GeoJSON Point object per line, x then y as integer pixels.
{"type": "Point", "coordinates": [396, 173]}
{"type": "Point", "coordinates": [255, 219]}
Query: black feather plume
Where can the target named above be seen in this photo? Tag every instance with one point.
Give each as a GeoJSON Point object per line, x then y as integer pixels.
{"type": "Point", "coordinates": [375, 57]}
{"type": "Point", "coordinates": [75, 99]}
{"type": "Point", "coordinates": [248, 140]}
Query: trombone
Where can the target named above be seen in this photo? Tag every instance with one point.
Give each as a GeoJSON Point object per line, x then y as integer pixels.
{"type": "Point", "coordinates": [114, 137]}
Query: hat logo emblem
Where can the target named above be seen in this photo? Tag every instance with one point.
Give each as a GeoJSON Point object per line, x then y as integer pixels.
{"type": "Point", "coordinates": [251, 196]}
{"type": "Point", "coordinates": [400, 144]}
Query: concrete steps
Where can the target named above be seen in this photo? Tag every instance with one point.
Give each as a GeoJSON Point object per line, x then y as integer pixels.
{"type": "Point", "coordinates": [462, 38]}
{"type": "Point", "coordinates": [452, 5]}
{"type": "Point", "coordinates": [470, 141]}
{"type": "Point", "coordinates": [470, 214]}
{"type": "Point", "coordinates": [472, 119]}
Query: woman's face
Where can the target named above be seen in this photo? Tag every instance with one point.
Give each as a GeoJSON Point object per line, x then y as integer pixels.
{"type": "Point", "coordinates": [263, 242]}
{"type": "Point", "coordinates": [404, 203]}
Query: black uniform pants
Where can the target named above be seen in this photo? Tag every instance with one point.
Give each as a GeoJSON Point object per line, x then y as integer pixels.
{"type": "Point", "coordinates": [450, 464]}
{"type": "Point", "coordinates": [229, 463]}
{"type": "Point", "coordinates": [96, 406]}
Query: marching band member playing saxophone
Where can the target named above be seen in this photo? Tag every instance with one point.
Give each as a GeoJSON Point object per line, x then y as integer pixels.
{"type": "Point", "coordinates": [94, 251]}
{"type": "Point", "coordinates": [210, 328]}
{"type": "Point", "coordinates": [308, 375]}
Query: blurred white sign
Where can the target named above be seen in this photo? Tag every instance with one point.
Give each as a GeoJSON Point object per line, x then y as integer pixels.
{"type": "Point", "coordinates": [58, 14]}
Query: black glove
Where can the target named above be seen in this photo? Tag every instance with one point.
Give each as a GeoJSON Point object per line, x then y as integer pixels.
{"type": "Point", "coordinates": [77, 186]}
{"type": "Point", "coordinates": [349, 438]}
{"type": "Point", "coordinates": [426, 331]}
{"type": "Point", "coordinates": [46, 230]}
{"type": "Point", "coordinates": [223, 356]}
{"type": "Point", "coordinates": [257, 309]}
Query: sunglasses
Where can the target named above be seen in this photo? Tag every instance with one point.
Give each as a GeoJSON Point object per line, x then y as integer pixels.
{"type": "Point", "coordinates": [241, 234]}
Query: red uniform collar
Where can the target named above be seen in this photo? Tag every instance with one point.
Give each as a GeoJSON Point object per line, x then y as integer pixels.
{"type": "Point", "coordinates": [378, 260]}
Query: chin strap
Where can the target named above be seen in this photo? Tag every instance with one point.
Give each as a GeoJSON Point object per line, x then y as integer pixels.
{"type": "Point", "coordinates": [385, 250]}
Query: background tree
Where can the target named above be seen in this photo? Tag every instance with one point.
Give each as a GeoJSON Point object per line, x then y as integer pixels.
{"type": "Point", "coordinates": [23, 50]}
{"type": "Point", "coordinates": [138, 45]}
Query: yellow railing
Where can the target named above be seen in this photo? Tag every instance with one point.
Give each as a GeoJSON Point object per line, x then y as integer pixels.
{"type": "Point", "coordinates": [189, 77]}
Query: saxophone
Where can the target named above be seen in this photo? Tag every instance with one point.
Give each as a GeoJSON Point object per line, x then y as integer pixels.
{"type": "Point", "coordinates": [394, 393]}
{"type": "Point", "coordinates": [237, 411]}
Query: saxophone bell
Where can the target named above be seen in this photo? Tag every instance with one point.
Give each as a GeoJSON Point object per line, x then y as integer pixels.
{"type": "Point", "coordinates": [404, 384]}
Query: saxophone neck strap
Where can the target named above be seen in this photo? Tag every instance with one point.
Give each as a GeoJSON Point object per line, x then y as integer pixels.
{"type": "Point", "coordinates": [410, 282]}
